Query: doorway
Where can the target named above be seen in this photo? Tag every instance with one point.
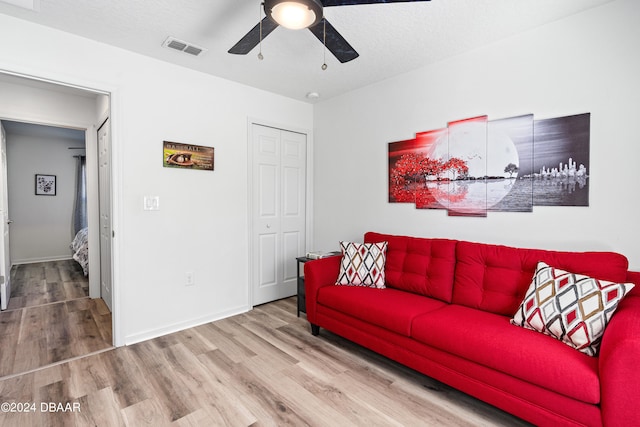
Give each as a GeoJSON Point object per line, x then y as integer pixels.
{"type": "Point", "coordinates": [57, 104]}
{"type": "Point", "coordinates": [278, 210]}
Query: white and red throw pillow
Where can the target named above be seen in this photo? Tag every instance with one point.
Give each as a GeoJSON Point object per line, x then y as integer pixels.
{"type": "Point", "coordinates": [362, 264]}
{"type": "Point", "coordinates": [572, 308]}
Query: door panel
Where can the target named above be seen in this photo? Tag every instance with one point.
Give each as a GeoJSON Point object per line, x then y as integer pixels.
{"type": "Point", "coordinates": [292, 250]}
{"type": "Point", "coordinates": [267, 181]}
{"type": "Point", "coordinates": [104, 185]}
{"type": "Point", "coordinates": [268, 267]}
{"type": "Point", "coordinates": [291, 192]}
{"type": "Point", "coordinates": [279, 216]}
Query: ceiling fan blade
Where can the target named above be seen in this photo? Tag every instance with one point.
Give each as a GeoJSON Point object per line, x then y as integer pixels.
{"type": "Point", "coordinates": [252, 38]}
{"type": "Point", "coordinates": [328, 3]}
{"type": "Point", "coordinates": [336, 44]}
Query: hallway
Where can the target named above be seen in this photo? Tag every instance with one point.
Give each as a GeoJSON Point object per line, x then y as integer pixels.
{"type": "Point", "coordinates": [50, 317]}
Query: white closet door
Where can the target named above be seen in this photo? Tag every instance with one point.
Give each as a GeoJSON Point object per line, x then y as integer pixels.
{"type": "Point", "coordinates": [278, 211]}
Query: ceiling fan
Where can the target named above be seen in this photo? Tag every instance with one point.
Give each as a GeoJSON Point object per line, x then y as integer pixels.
{"type": "Point", "coordinates": [300, 14]}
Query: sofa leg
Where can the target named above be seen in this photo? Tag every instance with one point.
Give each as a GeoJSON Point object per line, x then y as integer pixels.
{"type": "Point", "coordinates": [315, 330]}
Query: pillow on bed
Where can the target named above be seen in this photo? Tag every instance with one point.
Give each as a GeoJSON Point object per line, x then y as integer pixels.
{"type": "Point", "coordinates": [80, 248]}
{"type": "Point", "coordinates": [80, 239]}
{"type": "Point", "coordinates": [362, 264]}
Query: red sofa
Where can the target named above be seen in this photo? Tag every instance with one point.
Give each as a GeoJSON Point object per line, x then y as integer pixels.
{"type": "Point", "coordinates": [446, 313]}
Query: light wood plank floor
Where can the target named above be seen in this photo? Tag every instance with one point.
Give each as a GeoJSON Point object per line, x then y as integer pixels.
{"type": "Point", "coordinates": [50, 318]}
{"type": "Point", "coordinates": [261, 368]}
{"type": "Point", "coordinates": [46, 282]}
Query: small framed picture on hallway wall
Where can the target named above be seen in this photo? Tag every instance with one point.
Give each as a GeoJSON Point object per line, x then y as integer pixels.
{"type": "Point", "coordinates": [45, 185]}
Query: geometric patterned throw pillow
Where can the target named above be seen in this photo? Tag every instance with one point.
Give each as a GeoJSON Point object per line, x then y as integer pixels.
{"type": "Point", "coordinates": [572, 308]}
{"type": "Point", "coordinates": [362, 264]}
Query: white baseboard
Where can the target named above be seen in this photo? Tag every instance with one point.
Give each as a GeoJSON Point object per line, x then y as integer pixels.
{"type": "Point", "coordinates": [155, 333]}
{"type": "Point", "coordinates": [36, 260]}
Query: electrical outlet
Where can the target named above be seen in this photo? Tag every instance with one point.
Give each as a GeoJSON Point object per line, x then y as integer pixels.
{"type": "Point", "coordinates": [190, 279]}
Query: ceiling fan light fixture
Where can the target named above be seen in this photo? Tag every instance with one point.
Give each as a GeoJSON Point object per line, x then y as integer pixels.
{"type": "Point", "coordinates": [294, 14]}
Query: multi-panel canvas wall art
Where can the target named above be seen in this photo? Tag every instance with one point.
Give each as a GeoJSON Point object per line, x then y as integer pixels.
{"type": "Point", "coordinates": [476, 165]}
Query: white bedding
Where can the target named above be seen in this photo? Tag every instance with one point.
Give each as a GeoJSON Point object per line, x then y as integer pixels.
{"type": "Point", "coordinates": [80, 248]}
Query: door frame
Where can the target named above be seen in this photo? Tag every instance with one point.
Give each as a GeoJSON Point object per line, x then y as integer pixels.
{"type": "Point", "coordinates": [5, 257]}
{"type": "Point", "coordinates": [116, 179]}
{"type": "Point", "coordinates": [250, 192]}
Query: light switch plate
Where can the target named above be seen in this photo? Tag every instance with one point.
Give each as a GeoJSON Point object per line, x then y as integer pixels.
{"type": "Point", "coordinates": [151, 203]}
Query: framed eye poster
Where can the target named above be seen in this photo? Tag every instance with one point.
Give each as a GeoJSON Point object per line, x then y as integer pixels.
{"type": "Point", "coordinates": [187, 156]}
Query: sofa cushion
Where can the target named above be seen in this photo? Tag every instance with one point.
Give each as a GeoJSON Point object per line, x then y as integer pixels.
{"type": "Point", "coordinates": [522, 398]}
{"type": "Point", "coordinates": [419, 265]}
{"type": "Point", "coordinates": [495, 278]}
{"type": "Point", "coordinates": [388, 308]}
{"type": "Point", "coordinates": [572, 308]}
{"type": "Point", "coordinates": [490, 340]}
{"type": "Point", "coordinates": [362, 264]}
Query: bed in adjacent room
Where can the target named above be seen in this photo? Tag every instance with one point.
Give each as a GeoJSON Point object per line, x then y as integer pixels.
{"type": "Point", "coordinates": [80, 248]}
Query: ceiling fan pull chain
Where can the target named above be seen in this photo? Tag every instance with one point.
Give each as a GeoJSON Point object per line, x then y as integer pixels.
{"type": "Point", "coordinates": [260, 57]}
{"type": "Point", "coordinates": [324, 42]}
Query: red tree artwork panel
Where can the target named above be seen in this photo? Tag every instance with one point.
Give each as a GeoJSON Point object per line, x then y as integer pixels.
{"type": "Point", "coordinates": [402, 171]}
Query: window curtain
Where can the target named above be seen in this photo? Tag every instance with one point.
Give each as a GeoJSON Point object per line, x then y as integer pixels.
{"type": "Point", "coordinates": [80, 208]}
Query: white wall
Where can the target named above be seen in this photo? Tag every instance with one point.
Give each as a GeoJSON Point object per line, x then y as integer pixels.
{"type": "Point", "coordinates": [102, 108]}
{"type": "Point", "coordinates": [38, 104]}
{"type": "Point", "coordinates": [202, 222]}
{"type": "Point", "coordinates": [42, 227]}
{"type": "Point", "coordinates": [586, 63]}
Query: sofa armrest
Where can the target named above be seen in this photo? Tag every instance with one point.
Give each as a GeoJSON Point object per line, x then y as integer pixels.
{"type": "Point", "coordinates": [319, 273]}
{"type": "Point", "coordinates": [634, 277]}
{"type": "Point", "coordinates": [619, 361]}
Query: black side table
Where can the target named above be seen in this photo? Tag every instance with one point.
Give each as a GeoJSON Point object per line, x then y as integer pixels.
{"type": "Point", "coordinates": [302, 301]}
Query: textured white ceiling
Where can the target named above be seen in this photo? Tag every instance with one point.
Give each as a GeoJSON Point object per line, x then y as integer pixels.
{"type": "Point", "coordinates": [390, 38]}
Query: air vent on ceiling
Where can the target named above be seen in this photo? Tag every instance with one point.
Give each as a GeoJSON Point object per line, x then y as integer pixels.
{"type": "Point", "coordinates": [182, 46]}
